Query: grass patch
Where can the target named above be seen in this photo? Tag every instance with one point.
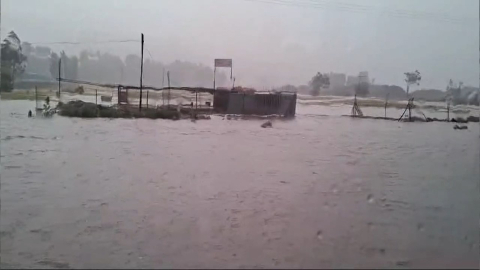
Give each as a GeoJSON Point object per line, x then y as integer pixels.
{"type": "Point", "coordinates": [27, 94]}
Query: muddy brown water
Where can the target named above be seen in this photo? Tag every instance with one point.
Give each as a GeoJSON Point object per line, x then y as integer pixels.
{"type": "Point", "coordinates": [313, 192]}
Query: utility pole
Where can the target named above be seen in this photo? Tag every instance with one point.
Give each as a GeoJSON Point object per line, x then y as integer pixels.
{"type": "Point", "coordinates": [214, 70]}
{"type": "Point", "coordinates": [59, 75]}
{"type": "Point", "coordinates": [163, 84]}
{"type": "Point", "coordinates": [141, 75]}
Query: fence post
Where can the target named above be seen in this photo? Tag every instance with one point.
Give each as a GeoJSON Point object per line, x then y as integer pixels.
{"type": "Point", "coordinates": [448, 112]}
{"type": "Point", "coordinates": [96, 96]}
{"type": "Point", "coordinates": [386, 104]}
{"type": "Point", "coordinates": [36, 98]}
{"type": "Point", "coordinates": [147, 99]}
{"type": "Point", "coordinates": [243, 103]}
{"type": "Point", "coordinates": [141, 75]}
{"type": "Point", "coordinates": [410, 103]}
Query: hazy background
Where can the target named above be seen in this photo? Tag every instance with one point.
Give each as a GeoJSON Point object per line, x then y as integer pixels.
{"type": "Point", "coordinates": [272, 42]}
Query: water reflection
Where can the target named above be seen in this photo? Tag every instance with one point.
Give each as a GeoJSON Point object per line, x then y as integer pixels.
{"type": "Point", "coordinates": [314, 192]}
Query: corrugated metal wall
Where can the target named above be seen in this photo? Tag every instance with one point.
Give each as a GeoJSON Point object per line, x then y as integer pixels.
{"type": "Point", "coordinates": [262, 104]}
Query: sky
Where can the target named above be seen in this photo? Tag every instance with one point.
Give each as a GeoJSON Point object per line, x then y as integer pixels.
{"type": "Point", "coordinates": [271, 42]}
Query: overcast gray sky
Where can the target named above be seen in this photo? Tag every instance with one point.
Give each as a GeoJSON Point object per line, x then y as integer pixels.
{"type": "Point", "coordinates": [272, 42]}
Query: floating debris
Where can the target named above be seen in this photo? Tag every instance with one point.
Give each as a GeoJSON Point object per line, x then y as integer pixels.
{"type": "Point", "coordinates": [267, 124]}
{"type": "Point", "coordinates": [320, 235]}
{"type": "Point", "coordinates": [402, 263]}
{"type": "Point", "coordinates": [460, 127]}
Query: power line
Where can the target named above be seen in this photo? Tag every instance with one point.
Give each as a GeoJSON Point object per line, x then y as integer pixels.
{"type": "Point", "coordinates": [356, 8]}
{"type": "Point", "coordinates": [85, 42]}
{"type": "Point", "coordinates": [145, 47]}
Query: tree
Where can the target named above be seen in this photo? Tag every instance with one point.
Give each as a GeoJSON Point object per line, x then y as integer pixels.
{"type": "Point", "coordinates": [69, 66]}
{"type": "Point", "coordinates": [72, 68]}
{"type": "Point", "coordinates": [54, 64]}
{"type": "Point", "coordinates": [412, 78]}
{"type": "Point", "coordinates": [454, 92]}
{"type": "Point", "coordinates": [13, 61]}
{"type": "Point", "coordinates": [318, 82]}
{"type": "Point", "coordinates": [64, 63]}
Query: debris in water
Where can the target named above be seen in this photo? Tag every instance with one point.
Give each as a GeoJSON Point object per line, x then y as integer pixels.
{"type": "Point", "coordinates": [320, 235]}
{"type": "Point", "coordinates": [370, 225]}
{"type": "Point", "coordinates": [460, 127]}
{"type": "Point", "coordinates": [420, 227]}
{"type": "Point", "coordinates": [267, 124]}
{"type": "Point", "coordinates": [370, 198]}
{"type": "Point", "coordinates": [283, 182]}
{"type": "Point", "coordinates": [54, 264]}
{"type": "Point", "coordinates": [326, 205]}
{"type": "Point", "coordinates": [403, 263]}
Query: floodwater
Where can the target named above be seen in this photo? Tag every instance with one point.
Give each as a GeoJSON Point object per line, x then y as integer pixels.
{"type": "Point", "coordinates": [313, 192]}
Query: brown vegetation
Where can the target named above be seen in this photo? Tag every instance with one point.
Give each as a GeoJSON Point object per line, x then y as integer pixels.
{"type": "Point", "coordinates": [90, 110]}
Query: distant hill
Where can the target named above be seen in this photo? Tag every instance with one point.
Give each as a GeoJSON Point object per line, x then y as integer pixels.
{"type": "Point", "coordinates": [429, 95]}
{"type": "Point", "coordinates": [393, 91]}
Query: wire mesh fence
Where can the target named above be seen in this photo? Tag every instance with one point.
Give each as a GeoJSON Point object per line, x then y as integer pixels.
{"type": "Point", "coordinates": [109, 96]}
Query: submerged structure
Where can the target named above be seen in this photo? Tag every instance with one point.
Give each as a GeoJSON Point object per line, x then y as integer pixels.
{"type": "Point", "coordinates": [254, 103]}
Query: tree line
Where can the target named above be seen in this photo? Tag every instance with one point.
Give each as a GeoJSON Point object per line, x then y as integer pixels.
{"type": "Point", "coordinates": [24, 61]}
{"type": "Point", "coordinates": [362, 88]}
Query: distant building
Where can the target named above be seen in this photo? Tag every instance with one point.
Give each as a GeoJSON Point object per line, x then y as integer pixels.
{"type": "Point", "coordinates": [259, 103]}
{"type": "Point", "coordinates": [362, 77]}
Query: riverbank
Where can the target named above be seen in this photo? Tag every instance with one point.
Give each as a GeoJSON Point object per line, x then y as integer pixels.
{"type": "Point", "coordinates": [27, 94]}
{"type": "Point", "coordinates": [473, 119]}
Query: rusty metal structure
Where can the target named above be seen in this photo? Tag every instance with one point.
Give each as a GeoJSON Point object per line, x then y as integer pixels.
{"type": "Point", "coordinates": [255, 103]}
